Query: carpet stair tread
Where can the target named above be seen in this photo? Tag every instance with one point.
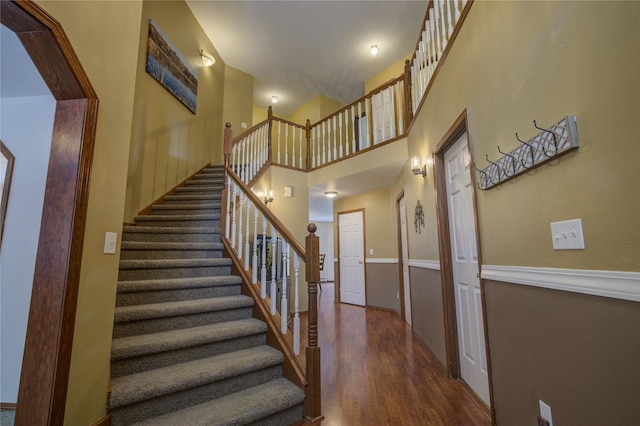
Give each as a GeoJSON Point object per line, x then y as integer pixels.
{"type": "Point", "coordinates": [170, 230]}
{"type": "Point", "coordinates": [244, 407]}
{"type": "Point", "coordinates": [149, 384]}
{"type": "Point", "coordinates": [173, 263]}
{"type": "Point", "coordinates": [132, 346]}
{"type": "Point", "coordinates": [177, 283]}
{"type": "Point", "coordinates": [170, 217]}
{"type": "Point", "coordinates": [170, 245]}
{"type": "Point", "coordinates": [170, 309]}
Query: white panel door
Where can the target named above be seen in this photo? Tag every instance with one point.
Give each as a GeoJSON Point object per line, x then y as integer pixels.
{"type": "Point", "coordinates": [473, 363]}
{"type": "Point", "coordinates": [352, 258]}
{"type": "Point", "coordinates": [404, 244]}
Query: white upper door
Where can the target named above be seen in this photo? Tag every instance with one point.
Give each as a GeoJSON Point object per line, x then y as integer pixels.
{"type": "Point", "coordinates": [352, 258]}
{"type": "Point", "coordinates": [464, 253]}
{"type": "Point", "coordinates": [404, 244]}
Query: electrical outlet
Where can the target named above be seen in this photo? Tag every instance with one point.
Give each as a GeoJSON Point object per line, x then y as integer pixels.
{"type": "Point", "coordinates": [370, 252]}
{"type": "Point", "coordinates": [545, 413]}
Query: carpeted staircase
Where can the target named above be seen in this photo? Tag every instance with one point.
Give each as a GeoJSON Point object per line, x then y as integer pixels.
{"type": "Point", "coordinates": [186, 349]}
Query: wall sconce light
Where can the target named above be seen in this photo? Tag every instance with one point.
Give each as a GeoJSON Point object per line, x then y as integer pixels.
{"type": "Point", "coordinates": [207, 58]}
{"type": "Point", "coordinates": [416, 168]}
{"type": "Point", "coordinates": [274, 99]}
{"type": "Point", "coordinates": [374, 50]}
{"type": "Point", "coordinates": [268, 198]}
{"type": "Point", "coordinates": [330, 194]}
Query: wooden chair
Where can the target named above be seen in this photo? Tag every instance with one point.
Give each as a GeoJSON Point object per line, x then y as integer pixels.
{"type": "Point", "coordinates": [322, 256]}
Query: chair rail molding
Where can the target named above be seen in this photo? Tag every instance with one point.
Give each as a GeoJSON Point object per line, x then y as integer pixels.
{"type": "Point", "coordinates": [425, 264]}
{"type": "Point", "coordinates": [613, 284]}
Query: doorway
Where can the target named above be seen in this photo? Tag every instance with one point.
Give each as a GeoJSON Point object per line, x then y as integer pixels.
{"type": "Point", "coordinates": [463, 294]}
{"type": "Point", "coordinates": [403, 243]}
{"type": "Point", "coordinates": [351, 255]}
{"type": "Point", "coordinates": [47, 351]}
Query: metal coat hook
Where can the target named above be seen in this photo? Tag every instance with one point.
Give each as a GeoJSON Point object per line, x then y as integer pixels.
{"type": "Point", "coordinates": [533, 160]}
{"type": "Point", "coordinates": [513, 162]}
{"type": "Point", "coordinates": [555, 140]}
{"type": "Point", "coordinates": [499, 170]}
{"type": "Point", "coordinates": [483, 177]}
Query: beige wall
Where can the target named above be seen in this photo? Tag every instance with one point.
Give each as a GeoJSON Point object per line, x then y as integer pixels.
{"type": "Point", "coordinates": [168, 142]}
{"type": "Point", "coordinates": [393, 71]}
{"type": "Point", "coordinates": [316, 109]}
{"type": "Point", "coordinates": [112, 29]}
{"type": "Point", "coordinates": [238, 99]}
{"type": "Point", "coordinates": [540, 64]}
{"type": "Point", "coordinates": [259, 115]}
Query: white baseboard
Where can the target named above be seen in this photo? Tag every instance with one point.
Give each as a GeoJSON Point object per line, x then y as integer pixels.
{"type": "Point", "coordinates": [614, 284]}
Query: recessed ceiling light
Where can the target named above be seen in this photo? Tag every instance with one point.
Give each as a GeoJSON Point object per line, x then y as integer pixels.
{"type": "Point", "coordinates": [330, 194]}
{"type": "Point", "coordinates": [374, 50]}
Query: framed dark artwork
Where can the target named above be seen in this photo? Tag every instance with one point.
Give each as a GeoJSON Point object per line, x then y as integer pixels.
{"type": "Point", "coordinates": [170, 68]}
{"type": "Point", "coordinates": [6, 170]}
{"type": "Point", "coordinates": [418, 217]}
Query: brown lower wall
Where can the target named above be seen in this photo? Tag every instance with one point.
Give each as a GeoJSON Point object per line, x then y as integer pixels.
{"type": "Point", "coordinates": [426, 310]}
{"type": "Point", "coordinates": [580, 354]}
{"type": "Point", "coordinates": [382, 285]}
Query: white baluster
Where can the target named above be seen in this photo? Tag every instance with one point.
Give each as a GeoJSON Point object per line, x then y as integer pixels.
{"type": "Point", "coordinates": [293, 148]}
{"type": "Point", "coordinates": [367, 107]}
{"type": "Point", "coordinates": [444, 25]}
{"type": "Point", "coordinates": [278, 142]}
{"type": "Point", "coordinates": [457, 7]}
{"type": "Point", "coordinates": [429, 52]}
{"type": "Point", "coordinates": [245, 161]}
{"type": "Point", "coordinates": [313, 147]}
{"type": "Point", "coordinates": [284, 303]}
{"type": "Point", "coordinates": [335, 137]}
{"type": "Point", "coordinates": [296, 315]}
{"type": "Point", "coordinates": [233, 218]}
{"type": "Point", "coordinates": [439, 35]}
{"type": "Point", "coordinates": [227, 222]}
{"type": "Point", "coordinates": [246, 238]}
{"type": "Point", "coordinates": [399, 104]}
{"type": "Point", "coordinates": [340, 130]}
{"type": "Point", "coordinates": [286, 144]}
{"type": "Point", "coordinates": [263, 270]}
{"type": "Point", "coordinates": [254, 258]}
{"type": "Point", "coordinates": [324, 140]}
{"type": "Point", "coordinates": [353, 124]}
{"type": "Point", "coordinates": [450, 27]}
{"type": "Point", "coordinates": [434, 44]}
{"type": "Point", "coordinates": [274, 268]}
{"type": "Point", "coordinates": [239, 244]}
{"type": "Point", "coordinates": [361, 142]}
{"type": "Point", "coordinates": [300, 149]}
{"type": "Point", "coordinates": [317, 129]}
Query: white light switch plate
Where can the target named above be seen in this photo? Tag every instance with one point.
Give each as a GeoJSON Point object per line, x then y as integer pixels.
{"type": "Point", "coordinates": [567, 235]}
{"type": "Point", "coordinates": [110, 240]}
{"type": "Point", "coordinates": [545, 412]}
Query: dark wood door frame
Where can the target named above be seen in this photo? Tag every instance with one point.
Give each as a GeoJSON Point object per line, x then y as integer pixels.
{"type": "Point", "coordinates": [400, 259]}
{"type": "Point", "coordinates": [459, 127]}
{"type": "Point", "coordinates": [47, 353]}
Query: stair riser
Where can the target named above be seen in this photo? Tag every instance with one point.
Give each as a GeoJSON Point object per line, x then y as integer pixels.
{"type": "Point", "coordinates": [286, 417]}
{"type": "Point", "coordinates": [171, 237]}
{"type": "Point", "coordinates": [206, 223]}
{"type": "Point", "coordinates": [174, 200]}
{"type": "Point", "coordinates": [179, 272]}
{"type": "Point", "coordinates": [186, 211]}
{"type": "Point", "coordinates": [146, 297]}
{"type": "Point", "coordinates": [205, 182]}
{"type": "Point", "coordinates": [169, 254]}
{"type": "Point", "coordinates": [199, 190]}
{"type": "Point", "coordinates": [168, 403]}
{"type": "Point", "coordinates": [136, 328]}
{"type": "Point", "coordinates": [172, 357]}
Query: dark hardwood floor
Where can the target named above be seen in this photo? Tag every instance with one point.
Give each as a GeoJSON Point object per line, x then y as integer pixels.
{"type": "Point", "coordinates": [376, 372]}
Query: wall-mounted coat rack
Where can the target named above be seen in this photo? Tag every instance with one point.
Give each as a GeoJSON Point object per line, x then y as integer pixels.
{"type": "Point", "coordinates": [545, 146]}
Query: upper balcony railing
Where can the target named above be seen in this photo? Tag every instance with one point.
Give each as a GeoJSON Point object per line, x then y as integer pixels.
{"type": "Point", "coordinates": [382, 116]}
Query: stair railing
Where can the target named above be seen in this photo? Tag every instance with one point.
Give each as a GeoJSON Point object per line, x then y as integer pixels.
{"type": "Point", "coordinates": [250, 153]}
{"type": "Point", "coordinates": [268, 257]}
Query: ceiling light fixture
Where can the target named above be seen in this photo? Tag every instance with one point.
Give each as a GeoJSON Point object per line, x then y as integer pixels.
{"type": "Point", "coordinates": [374, 50]}
{"type": "Point", "coordinates": [207, 58]}
{"type": "Point", "coordinates": [274, 99]}
{"type": "Point", "coordinates": [330, 194]}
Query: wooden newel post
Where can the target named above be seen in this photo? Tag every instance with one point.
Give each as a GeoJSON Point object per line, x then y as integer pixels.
{"type": "Point", "coordinates": [312, 402]}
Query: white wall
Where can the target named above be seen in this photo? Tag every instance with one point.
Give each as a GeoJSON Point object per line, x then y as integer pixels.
{"type": "Point", "coordinates": [26, 127]}
{"type": "Point", "coordinates": [325, 233]}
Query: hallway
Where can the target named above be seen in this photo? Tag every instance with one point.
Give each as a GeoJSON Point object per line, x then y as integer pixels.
{"type": "Point", "coordinates": [376, 372]}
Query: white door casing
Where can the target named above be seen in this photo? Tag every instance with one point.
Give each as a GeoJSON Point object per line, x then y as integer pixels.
{"type": "Point", "coordinates": [404, 246]}
{"type": "Point", "coordinates": [464, 256]}
{"type": "Point", "coordinates": [352, 286]}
